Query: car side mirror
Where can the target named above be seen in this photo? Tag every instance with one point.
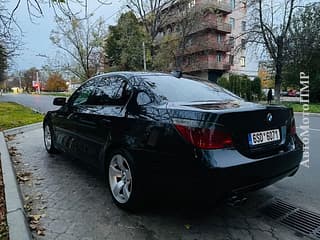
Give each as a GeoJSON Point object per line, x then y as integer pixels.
{"type": "Point", "coordinates": [59, 101]}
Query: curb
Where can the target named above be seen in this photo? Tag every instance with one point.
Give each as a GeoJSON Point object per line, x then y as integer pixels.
{"type": "Point", "coordinates": [22, 129]}
{"type": "Point", "coordinates": [16, 216]}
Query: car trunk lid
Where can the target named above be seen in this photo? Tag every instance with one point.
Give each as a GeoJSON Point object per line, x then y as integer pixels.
{"type": "Point", "coordinates": [242, 120]}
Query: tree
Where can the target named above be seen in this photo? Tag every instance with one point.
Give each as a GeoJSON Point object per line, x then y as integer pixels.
{"type": "Point", "coordinates": [270, 23]}
{"type": "Point", "coordinates": [242, 86]}
{"type": "Point", "coordinates": [8, 39]}
{"type": "Point", "coordinates": [27, 77]}
{"type": "Point", "coordinates": [82, 43]}
{"type": "Point", "coordinates": [166, 54]}
{"type": "Point", "coordinates": [303, 50]}
{"type": "Point", "coordinates": [3, 62]}
{"type": "Point", "coordinates": [153, 15]}
{"type": "Point", "coordinates": [124, 43]}
{"type": "Point", "coordinates": [55, 83]}
{"type": "Point", "coordinates": [256, 88]}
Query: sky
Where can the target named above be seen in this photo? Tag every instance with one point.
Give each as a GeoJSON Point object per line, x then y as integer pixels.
{"type": "Point", "coordinates": [36, 33]}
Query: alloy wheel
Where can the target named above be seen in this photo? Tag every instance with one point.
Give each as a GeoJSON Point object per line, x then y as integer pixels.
{"type": "Point", "coordinates": [47, 137]}
{"type": "Point", "coordinates": [120, 178]}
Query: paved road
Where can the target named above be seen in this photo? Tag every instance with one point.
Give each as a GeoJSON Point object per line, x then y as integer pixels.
{"type": "Point", "coordinates": [41, 103]}
{"type": "Point", "coordinates": [75, 204]}
{"type": "Point", "coordinates": [304, 188]}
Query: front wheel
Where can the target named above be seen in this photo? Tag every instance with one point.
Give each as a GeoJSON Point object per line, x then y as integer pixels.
{"type": "Point", "coordinates": [123, 180]}
{"type": "Point", "coordinates": [48, 139]}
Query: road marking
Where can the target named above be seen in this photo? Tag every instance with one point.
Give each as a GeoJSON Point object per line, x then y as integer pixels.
{"type": "Point", "coordinates": [312, 129]}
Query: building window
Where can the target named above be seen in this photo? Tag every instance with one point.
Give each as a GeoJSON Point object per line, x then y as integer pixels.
{"type": "Point", "coordinates": [243, 44]}
{"type": "Point", "coordinates": [219, 57]}
{"type": "Point", "coordinates": [231, 41]}
{"type": "Point", "coordinates": [233, 4]}
{"type": "Point", "coordinates": [231, 59]}
{"type": "Point", "coordinates": [192, 3]}
{"type": "Point", "coordinates": [219, 38]}
{"type": "Point", "coordinates": [243, 61]}
{"type": "Point", "coordinates": [232, 23]}
{"type": "Point", "coordinates": [243, 26]}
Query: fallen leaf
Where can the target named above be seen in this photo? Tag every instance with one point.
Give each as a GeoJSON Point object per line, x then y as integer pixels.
{"type": "Point", "coordinates": [28, 207]}
{"type": "Point", "coordinates": [33, 226]}
{"type": "Point", "coordinates": [23, 179]}
{"type": "Point", "coordinates": [40, 231]}
{"type": "Point", "coordinates": [35, 217]}
{"type": "Point", "coordinates": [42, 207]}
{"type": "Point", "coordinates": [187, 226]}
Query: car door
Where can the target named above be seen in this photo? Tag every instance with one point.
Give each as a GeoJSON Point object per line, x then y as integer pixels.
{"type": "Point", "coordinates": [68, 123]}
{"type": "Point", "coordinates": [113, 93]}
{"type": "Point", "coordinates": [97, 117]}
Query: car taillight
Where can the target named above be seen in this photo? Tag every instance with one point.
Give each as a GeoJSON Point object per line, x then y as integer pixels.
{"type": "Point", "coordinates": [205, 138]}
{"type": "Point", "coordinates": [293, 129]}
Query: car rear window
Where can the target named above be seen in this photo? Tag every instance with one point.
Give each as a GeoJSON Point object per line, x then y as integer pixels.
{"type": "Point", "coordinates": [191, 90]}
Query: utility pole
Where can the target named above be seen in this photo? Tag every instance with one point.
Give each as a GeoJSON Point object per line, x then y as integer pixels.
{"type": "Point", "coordinates": [38, 83]}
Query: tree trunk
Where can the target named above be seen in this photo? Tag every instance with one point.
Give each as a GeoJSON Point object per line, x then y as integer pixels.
{"type": "Point", "coordinates": [277, 85]}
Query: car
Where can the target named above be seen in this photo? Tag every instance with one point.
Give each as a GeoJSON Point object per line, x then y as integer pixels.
{"type": "Point", "coordinates": [293, 93]}
{"type": "Point", "coordinates": [150, 131]}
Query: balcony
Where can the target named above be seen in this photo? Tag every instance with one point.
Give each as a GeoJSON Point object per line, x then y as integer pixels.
{"type": "Point", "coordinates": [221, 5]}
{"type": "Point", "coordinates": [216, 25]}
{"type": "Point", "coordinates": [207, 65]}
{"type": "Point", "coordinates": [207, 46]}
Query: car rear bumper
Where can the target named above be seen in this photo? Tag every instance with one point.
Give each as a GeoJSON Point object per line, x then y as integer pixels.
{"type": "Point", "coordinates": [223, 171]}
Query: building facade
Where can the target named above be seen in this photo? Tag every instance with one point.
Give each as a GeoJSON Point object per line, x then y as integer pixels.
{"type": "Point", "coordinates": [213, 45]}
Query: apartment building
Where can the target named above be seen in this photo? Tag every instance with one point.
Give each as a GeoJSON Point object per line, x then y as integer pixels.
{"type": "Point", "coordinates": [213, 46]}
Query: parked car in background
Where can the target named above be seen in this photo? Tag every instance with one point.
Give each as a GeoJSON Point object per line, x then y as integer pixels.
{"type": "Point", "coordinates": [293, 93]}
{"type": "Point", "coordinates": [148, 131]}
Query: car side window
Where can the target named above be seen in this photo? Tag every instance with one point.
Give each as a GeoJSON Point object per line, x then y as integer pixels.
{"type": "Point", "coordinates": [112, 90]}
{"type": "Point", "coordinates": [81, 96]}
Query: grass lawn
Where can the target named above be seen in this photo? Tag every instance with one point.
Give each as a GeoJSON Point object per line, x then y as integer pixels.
{"type": "Point", "coordinates": [14, 115]}
{"type": "Point", "coordinates": [297, 107]}
{"type": "Point", "coordinates": [57, 94]}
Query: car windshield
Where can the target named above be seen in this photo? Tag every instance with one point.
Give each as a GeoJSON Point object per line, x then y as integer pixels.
{"type": "Point", "coordinates": [174, 89]}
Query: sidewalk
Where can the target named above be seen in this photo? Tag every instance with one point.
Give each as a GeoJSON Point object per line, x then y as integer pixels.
{"type": "Point", "coordinates": [16, 216]}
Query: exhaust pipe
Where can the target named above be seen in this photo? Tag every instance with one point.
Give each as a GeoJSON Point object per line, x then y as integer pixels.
{"type": "Point", "coordinates": [236, 200]}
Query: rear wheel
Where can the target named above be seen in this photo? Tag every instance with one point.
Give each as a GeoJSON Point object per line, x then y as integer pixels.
{"type": "Point", "coordinates": [48, 139]}
{"type": "Point", "coordinates": [123, 180]}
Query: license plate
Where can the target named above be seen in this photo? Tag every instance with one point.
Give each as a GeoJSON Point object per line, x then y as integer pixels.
{"type": "Point", "coordinates": [257, 138]}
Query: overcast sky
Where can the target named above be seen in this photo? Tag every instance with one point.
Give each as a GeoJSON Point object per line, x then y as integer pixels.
{"type": "Point", "coordinates": [36, 35]}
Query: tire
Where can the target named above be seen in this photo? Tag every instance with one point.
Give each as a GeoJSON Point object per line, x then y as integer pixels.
{"type": "Point", "coordinates": [48, 138]}
{"type": "Point", "coordinates": [123, 180]}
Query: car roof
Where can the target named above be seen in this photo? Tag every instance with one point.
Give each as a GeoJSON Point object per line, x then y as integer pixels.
{"type": "Point", "coordinates": [133, 74]}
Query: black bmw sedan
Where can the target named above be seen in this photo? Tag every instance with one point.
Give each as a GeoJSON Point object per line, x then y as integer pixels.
{"type": "Point", "coordinates": [145, 129]}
